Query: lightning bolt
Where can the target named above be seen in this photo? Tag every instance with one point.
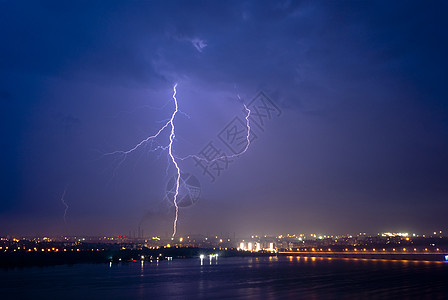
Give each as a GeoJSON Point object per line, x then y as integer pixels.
{"type": "Point", "coordinates": [66, 205]}
{"type": "Point", "coordinates": [174, 159]}
{"type": "Point", "coordinates": [170, 152]}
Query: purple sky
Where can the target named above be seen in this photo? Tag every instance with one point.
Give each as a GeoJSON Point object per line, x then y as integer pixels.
{"type": "Point", "coordinates": [361, 144]}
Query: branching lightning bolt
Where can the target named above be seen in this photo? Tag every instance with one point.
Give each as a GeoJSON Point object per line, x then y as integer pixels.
{"type": "Point", "coordinates": [66, 205]}
{"type": "Point", "coordinates": [169, 123]}
{"type": "Point", "coordinates": [174, 159]}
{"type": "Point", "coordinates": [124, 154]}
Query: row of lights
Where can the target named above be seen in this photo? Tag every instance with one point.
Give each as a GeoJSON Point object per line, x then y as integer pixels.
{"type": "Point", "coordinates": [346, 249]}
{"type": "Point", "coordinates": [49, 250]}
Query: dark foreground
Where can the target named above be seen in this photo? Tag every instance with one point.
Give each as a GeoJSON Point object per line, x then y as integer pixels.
{"type": "Point", "coordinates": [232, 278]}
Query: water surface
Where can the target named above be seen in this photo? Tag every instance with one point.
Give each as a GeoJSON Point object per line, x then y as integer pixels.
{"type": "Point", "coordinates": [236, 278]}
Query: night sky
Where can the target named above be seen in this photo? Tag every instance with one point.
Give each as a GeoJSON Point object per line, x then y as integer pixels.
{"type": "Point", "coordinates": [359, 142]}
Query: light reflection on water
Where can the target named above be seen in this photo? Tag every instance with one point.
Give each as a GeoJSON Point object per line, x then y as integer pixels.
{"type": "Point", "coordinates": [238, 277]}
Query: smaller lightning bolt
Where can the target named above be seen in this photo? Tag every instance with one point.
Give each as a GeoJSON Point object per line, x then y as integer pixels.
{"type": "Point", "coordinates": [248, 130]}
{"type": "Point", "coordinates": [247, 125]}
{"type": "Point", "coordinates": [66, 205]}
{"type": "Point", "coordinates": [228, 156]}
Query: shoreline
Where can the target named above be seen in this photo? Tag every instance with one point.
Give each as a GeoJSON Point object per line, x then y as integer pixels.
{"type": "Point", "coordinates": [13, 260]}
